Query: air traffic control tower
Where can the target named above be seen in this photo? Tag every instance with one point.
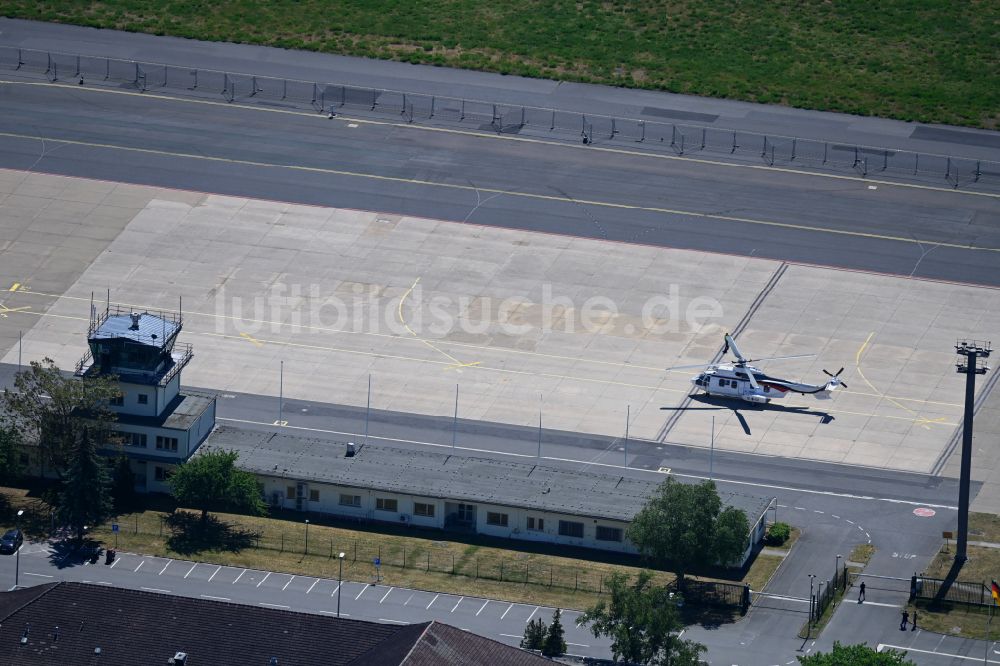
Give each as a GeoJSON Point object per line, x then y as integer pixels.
{"type": "Point", "coordinates": [159, 424]}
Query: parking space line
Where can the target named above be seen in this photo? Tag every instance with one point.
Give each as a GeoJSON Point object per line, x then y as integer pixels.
{"type": "Point", "coordinates": [266, 576]}
{"type": "Point", "coordinates": [432, 601]}
{"type": "Point", "coordinates": [208, 596]}
{"type": "Point", "coordinates": [511, 636]}
{"type": "Point", "coordinates": [532, 614]}
{"type": "Point", "coordinates": [154, 589]}
{"type": "Point", "coordinates": [482, 607]}
{"type": "Point", "coordinates": [115, 563]}
{"type": "Point", "coordinates": [383, 619]}
{"type": "Point", "coordinates": [240, 576]}
{"type": "Point", "coordinates": [335, 590]}
{"type": "Point", "coordinates": [213, 573]}
{"type": "Point", "coordinates": [577, 644]}
{"type": "Point", "coordinates": [164, 567]}
{"type": "Point", "coordinates": [312, 586]}
{"type": "Point", "coordinates": [28, 573]}
{"type": "Point", "coordinates": [140, 566]}
{"type": "Point", "coordinates": [288, 583]}
{"type": "Point", "coordinates": [334, 613]}
{"type": "Point", "coordinates": [506, 611]}
{"type": "Point", "coordinates": [191, 569]}
{"type": "Point", "coordinates": [363, 588]}
{"type": "Point", "coordinates": [386, 594]}
{"type": "Point", "coordinates": [273, 605]}
{"type": "Point", "coordinates": [457, 603]}
{"type": "Point", "coordinates": [409, 599]}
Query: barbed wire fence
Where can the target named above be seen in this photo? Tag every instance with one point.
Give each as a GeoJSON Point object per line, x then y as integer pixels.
{"type": "Point", "coordinates": [332, 99]}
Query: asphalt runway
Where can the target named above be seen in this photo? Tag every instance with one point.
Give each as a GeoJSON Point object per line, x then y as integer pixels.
{"type": "Point", "coordinates": [915, 231]}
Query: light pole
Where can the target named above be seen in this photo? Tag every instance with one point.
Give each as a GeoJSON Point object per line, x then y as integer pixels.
{"type": "Point", "coordinates": [307, 537]}
{"type": "Point", "coordinates": [812, 599]}
{"type": "Point", "coordinates": [836, 574]}
{"type": "Point", "coordinates": [970, 351]}
{"type": "Point", "coordinates": [340, 579]}
{"type": "Point", "coordinates": [17, 553]}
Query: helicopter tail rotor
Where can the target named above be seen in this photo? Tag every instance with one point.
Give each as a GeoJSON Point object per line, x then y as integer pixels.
{"type": "Point", "coordinates": [835, 377]}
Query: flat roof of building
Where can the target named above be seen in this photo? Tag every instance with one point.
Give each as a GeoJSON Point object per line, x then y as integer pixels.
{"type": "Point", "coordinates": [450, 477]}
{"type": "Point", "coordinates": [184, 410]}
{"type": "Point", "coordinates": [143, 327]}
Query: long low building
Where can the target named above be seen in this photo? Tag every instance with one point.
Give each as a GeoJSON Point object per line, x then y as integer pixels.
{"type": "Point", "coordinates": [487, 496]}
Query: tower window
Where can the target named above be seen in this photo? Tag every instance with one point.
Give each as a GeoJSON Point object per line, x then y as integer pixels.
{"type": "Point", "coordinates": [143, 399]}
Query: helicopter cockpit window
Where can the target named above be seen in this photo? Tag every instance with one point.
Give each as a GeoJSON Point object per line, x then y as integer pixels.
{"type": "Point", "coordinates": [722, 382]}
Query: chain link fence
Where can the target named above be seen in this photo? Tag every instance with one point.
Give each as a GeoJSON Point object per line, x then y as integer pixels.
{"type": "Point", "coordinates": [679, 139]}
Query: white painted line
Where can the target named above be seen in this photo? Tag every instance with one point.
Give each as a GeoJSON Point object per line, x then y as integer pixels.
{"type": "Point", "coordinates": [164, 567]}
{"type": "Point", "coordinates": [115, 563]}
{"type": "Point", "coordinates": [312, 586]}
{"type": "Point", "coordinates": [288, 583]}
{"type": "Point", "coordinates": [506, 611]}
{"type": "Point", "coordinates": [861, 528]}
{"type": "Point", "coordinates": [28, 573]}
{"type": "Point", "coordinates": [363, 588]}
{"type": "Point", "coordinates": [511, 636]}
{"type": "Point", "coordinates": [457, 603]}
{"type": "Point", "coordinates": [213, 574]}
{"type": "Point", "coordinates": [577, 644]}
{"type": "Point", "coordinates": [482, 607]}
{"type": "Point", "coordinates": [386, 595]}
{"type": "Point", "coordinates": [882, 646]}
{"type": "Point", "coordinates": [266, 576]}
{"type": "Point", "coordinates": [872, 603]}
{"type": "Point", "coordinates": [334, 613]}
{"type": "Point", "coordinates": [382, 619]}
{"type": "Point", "coordinates": [208, 596]}
{"type": "Point", "coordinates": [849, 520]}
{"type": "Point", "coordinates": [154, 589]}
{"type": "Point", "coordinates": [273, 605]}
{"type": "Point", "coordinates": [101, 582]}
{"type": "Point", "coordinates": [532, 615]}
{"type": "Point", "coordinates": [240, 576]}
{"type": "Point", "coordinates": [409, 599]}
{"type": "Point", "coordinates": [432, 601]}
{"type": "Point", "coordinates": [140, 566]}
{"type": "Point", "coordinates": [814, 511]}
{"type": "Point", "coordinates": [191, 569]}
{"type": "Point", "coordinates": [835, 516]}
{"type": "Point", "coordinates": [335, 590]}
{"type": "Point", "coordinates": [799, 508]}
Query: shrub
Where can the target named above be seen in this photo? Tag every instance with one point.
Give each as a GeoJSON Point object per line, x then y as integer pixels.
{"type": "Point", "coordinates": [777, 534]}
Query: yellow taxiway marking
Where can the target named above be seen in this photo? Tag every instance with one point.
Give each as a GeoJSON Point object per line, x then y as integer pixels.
{"type": "Point", "coordinates": [455, 363]}
{"type": "Point", "coordinates": [255, 341]}
{"type": "Point", "coordinates": [14, 286]}
{"type": "Point", "coordinates": [919, 420]}
{"type": "Point", "coordinates": [4, 310]}
{"type": "Point", "coordinates": [352, 121]}
{"type": "Point", "coordinates": [484, 349]}
{"type": "Point", "coordinates": [512, 193]}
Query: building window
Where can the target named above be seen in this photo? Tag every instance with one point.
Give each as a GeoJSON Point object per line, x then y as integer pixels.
{"type": "Point", "coordinates": [118, 400]}
{"type": "Point", "coordinates": [467, 513]}
{"type": "Point", "coordinates": [313, 495]}
{"type": "Point", "coordinates": [570, 528]}
{"type": "Point", "coordinates": [385, 504]}
{"type": "Point", "coordinates": [421, 509]}
{"type": "Point", "coordinates": [166, 443]}
{"type": "Point", "coordinates": [605, 533]}
{"type": "Point", "coordinates": [350, 500]}
{"type": "Point", "coordinates": [536, 524]}
{"type": "Point", "coordinates": [290, 492]}
{"type": "Point", "coordinates": [136, 439]}
{"type": "Point", "coordinates": [497, 519]}
{"type": "Point", "coordinates": [159, 473]}
{"type": "Point", "coordinates": [143, 399]}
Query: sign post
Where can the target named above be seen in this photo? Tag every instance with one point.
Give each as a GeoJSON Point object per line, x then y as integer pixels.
{"type": "Point", "coordinates": [378, 569]}
{"type": "Point", "coordinates": [114, 528]}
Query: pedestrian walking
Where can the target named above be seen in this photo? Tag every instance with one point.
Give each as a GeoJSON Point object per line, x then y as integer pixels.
{"type": "Point", "coordinates": [906, 619]}
{"type": "Point", "coordinates": [914, 625]}
{"type": "Point", "coordinates": [861, 592]}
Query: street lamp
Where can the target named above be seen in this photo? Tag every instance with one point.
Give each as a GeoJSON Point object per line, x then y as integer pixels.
{"type": "Point", "coordinates": [836, 575]}
{"type": "Point", "coordinates": [812, 599]}
{"type": "Point", "coordinates": [17, 553]}
{"type": "Point", "coordinates": [340, 579]}
{"type": "Point", "coordinates": [307, 537]}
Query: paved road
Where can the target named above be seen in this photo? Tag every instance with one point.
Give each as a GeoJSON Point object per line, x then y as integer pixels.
{"type": "Point", "coordinates": [502, 621]}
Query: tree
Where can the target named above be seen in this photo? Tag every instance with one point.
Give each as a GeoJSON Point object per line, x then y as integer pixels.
{"type": "Point", "coordinates": [50, 410]}
{"type": "Point", "coordinates": [123, 483]}
{"type": "Point", "coordinates": [85, 496]}
{"type": "Point", "coordinates": [643, 623]}
{"type": "Point", "coordinates": [10, 454]}
{"type": "Point", "coordinates": [534, 635]}
{"type": "Point", "coordinates": [212, 481]}
{"type": "Point", "coordinates": [856, 655]}
{"type": "Point", "coordinates": [683, 524]}
{"type": "Point", "coordinates": [555, 643]}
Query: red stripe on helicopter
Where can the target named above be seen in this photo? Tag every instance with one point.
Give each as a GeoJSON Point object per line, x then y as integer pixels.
{"type": "Point", "coordinates": [783, 389]}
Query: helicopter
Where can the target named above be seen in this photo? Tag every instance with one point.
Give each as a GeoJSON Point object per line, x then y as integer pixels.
{"type": "Point", "coordinates": [739, 379]}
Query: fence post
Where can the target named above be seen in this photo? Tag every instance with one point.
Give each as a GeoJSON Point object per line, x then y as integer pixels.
{"type": "Point", "coordinates": [48, 62]}
{"type": "Point", "coordinates": [614, 129]}
{"type": "Point", "coordinates": [55, 71]}
{"type": "Point", "coordinates": [462, 117]}
{"type": "Point", "coordinates": [343, 96]}
{"type": "Point", "coordinates": [195, 86]}
{"type": "Point", "coordinates": [826, 147]}
{"type": "Point", "coordinates": [403, 112]}
{"type": "Point", "coordinates": [136, 531]}
{"type": "Point", "coordinates": [642, 131]}
{"type": "Point", "coordinates": [284, 88]}
{"type": "Point", "coordinates": [682, 143]}
{"type": "Point", "coordinates": [916, 163]}
{"type": "Point", "coordinates": [772, 153]}
{"type": "Point", "coordinates": [315, 90]}
{"type": "Point", "coordinates": [166, 68]}
{"type": "Point", "coordinates": [525, 573]}
{"type": "Point", "coordinates": [77, 67]}
{"type": "Point", "coordinates": [374, 99]}
{"type": "Point", "coordinates": [763, 152]}
{"type": "Point", "coordinates": [735, 145]}
{"type": "Point", "coordinates": [673, 135]}
{"type": "Point", "coordinates": [433, 100]}
{"type": "Point", "coordinates": [856, 160]}
{"type": "Point", "coordinates": [20, 60]}
{"type": "Point", "coordinates": [225, 80]}
{"type": "Point", "coordinates": [600, 585]}
{"type": "Point", "coordinates": [978, 171]}
{"type": "Point", "coordinates": [107, 68]}
{"type": "Point", "coordinates": [552, 125]}
{"type": "Point", "coordinates": [794, 145]}
{"type": "Point", "coordinates": [523, 123]}
{"type": "Point", "coordinates": [704, 133]}
{"type": "Point", "coordinates": [885, 160]}
{"type": "Point", "coordinates": [947, 173]}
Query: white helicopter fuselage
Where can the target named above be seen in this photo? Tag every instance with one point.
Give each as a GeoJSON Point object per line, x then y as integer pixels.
{"type": "Point", "coordinates": [731, 381]}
